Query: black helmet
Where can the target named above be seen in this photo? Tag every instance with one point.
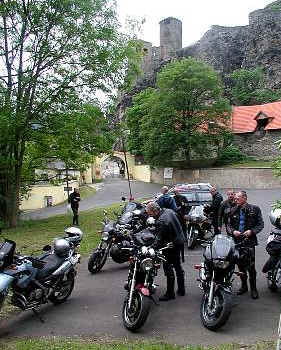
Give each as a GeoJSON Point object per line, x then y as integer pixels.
{"type": "Point", "coordinates": [274, 218]}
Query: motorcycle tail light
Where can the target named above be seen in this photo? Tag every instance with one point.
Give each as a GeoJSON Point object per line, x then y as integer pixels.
{"type": "Point", "coordinates": [131, 259]}
{"type": "Point", "coordinates": [198, 267]}
{"type": "Point", "coordinates": [157, 266]}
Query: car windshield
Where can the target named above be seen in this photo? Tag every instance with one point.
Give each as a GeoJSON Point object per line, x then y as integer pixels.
{"type": "Point", "coordinates": [190, 196]}
{"type": "Point", "coordinates": [204, 197]}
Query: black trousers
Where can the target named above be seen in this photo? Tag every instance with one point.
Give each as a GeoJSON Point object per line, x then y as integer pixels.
{"type": "Point", "coordinates": [75, 216]}
{"type": "Point", "coordinates": [247, 263]}
{"type": "Point", "coordinates": [173, 257]}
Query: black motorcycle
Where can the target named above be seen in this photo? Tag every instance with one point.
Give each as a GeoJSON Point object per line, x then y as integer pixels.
{"type": "Point", "coordinates": [273, 265]}
{"type": "Point", "coordinates": [117, 234]}
{"type": "Point", "coordinates": [215, 279]}
{"type": "Point", "coordinates": [144, 264]}
{"type": "Point", "coordinates": [198, 226]}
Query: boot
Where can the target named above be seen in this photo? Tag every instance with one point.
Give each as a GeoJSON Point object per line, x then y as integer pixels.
{"type": "Point", "coordinates": [254, 291]}
{"type": "Point", "coordinates": [244, 286]}
{"type": "Point", "coordinates": [181, 286]}
{"type": "Point", "coordinates": [170, 293]}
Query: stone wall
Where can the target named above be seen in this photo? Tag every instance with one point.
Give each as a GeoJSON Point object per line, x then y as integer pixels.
{"type": "Point", "coordinates": [236, 178]}
{"type": "Point", "coordinates": [261, 145]}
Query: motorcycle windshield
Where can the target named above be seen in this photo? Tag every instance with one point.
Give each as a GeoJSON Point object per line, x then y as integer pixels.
{"type": "Point", "coordinates": [222, 246]}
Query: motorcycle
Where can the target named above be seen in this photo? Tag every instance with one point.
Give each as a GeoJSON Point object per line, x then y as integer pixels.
{"type": "Point", "coordinates": [34, 281]}
{"type": "Point", "coordinates": [198, 226]}
{"type": "Point", "coordinates": [117, 234]}
{"type": "Point", "coordinates": [273, 265]}
{"type": "Point", "coordinates": [215, 279]}
{"type": "Point", "coordinates": [144, 264]}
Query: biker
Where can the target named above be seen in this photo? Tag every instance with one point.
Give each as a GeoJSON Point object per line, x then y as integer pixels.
{"type": "Point", "coordinates": [213, 209]}
{"type": "Point", "coordinates": [183, 208]}
{"type": "Point", "coordinates": [166, 200]}
{"type": "Point", "coordinates": [273, 247]}
{"type": "Point", "coordinates": [168, 229]}
{"type": "Point", "coordinates": [245, 220]}
{"type": "Point", "coordinates": [225, 209]}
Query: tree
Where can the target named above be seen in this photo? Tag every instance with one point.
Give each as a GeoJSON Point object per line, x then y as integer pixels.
{"type": "Point", "coordinates": [249, 88]}
{"type": "Point", "coordinates": [54, 55]}
{"type": "Point", "coordinates": [184, 115]}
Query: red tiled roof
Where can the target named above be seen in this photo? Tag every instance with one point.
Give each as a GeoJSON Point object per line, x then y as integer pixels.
{"type": "Point", "coordinates": [244, 117]}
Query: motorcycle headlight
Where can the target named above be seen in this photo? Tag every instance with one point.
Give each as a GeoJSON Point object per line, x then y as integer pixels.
{"type": "Point", "coordinates": [146, 264]}
{"type": "Point", "coordinates": [221, 264]}
{"type": "Point", "coordinates": [105, 236]}
{"type": "Point", "coordinates": [151, 252]}
{"type": "Point", "coordinates": [144, 250]}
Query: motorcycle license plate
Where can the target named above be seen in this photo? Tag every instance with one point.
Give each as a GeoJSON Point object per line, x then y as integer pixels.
{"type": "Point", "coordinates": [270, 239]}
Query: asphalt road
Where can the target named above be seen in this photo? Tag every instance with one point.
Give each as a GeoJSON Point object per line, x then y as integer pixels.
{"type": "Point", "coordinates": [94, 309]}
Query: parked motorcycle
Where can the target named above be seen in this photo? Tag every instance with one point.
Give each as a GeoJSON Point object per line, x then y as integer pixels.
{"type": "Point", "coordinates": [215, 279]}
{"type": "Point", "coordinates": [34, 281]}
{"type": "Point", "coordinates": [273, 265]}
{"type": "Point", "coordinates": [144, 264]}
{"type": "Point", "coordinates": [117, 234]}
{"type": "Point", "coordinates": [198, 226]}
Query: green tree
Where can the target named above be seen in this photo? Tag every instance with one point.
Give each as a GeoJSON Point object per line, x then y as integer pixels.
{"type": "Point", "coordinates": [55, 54]}
{"type": "Point", "coordinates": [249, 88]}
{"type": "Point", "coordinates": [185, 114]}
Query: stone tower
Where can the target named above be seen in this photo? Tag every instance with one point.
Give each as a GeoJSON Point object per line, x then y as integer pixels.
{"type": "Point", "coordinates": [170, 36]}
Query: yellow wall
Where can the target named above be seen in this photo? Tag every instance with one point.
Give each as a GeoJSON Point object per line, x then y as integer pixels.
{"type": "Point", "coordinates": [37, 194]}
{"type": "Point", "coordinates": [142, 173]}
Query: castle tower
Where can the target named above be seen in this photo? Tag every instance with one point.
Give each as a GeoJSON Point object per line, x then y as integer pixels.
{"type": "Point", "coordinates": [170, 36]}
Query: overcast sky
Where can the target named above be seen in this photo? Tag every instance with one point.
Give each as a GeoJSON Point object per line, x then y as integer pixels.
{"type": "Point", "coordinates": [197, 16]}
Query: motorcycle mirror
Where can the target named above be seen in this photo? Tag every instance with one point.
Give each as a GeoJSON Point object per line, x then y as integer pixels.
{"type": "Point", "coordinates": [104, 212]}
{"type": "Point", "coordinates": [123, 199]}
{"type": "Point", "coordinates": [46, 248]}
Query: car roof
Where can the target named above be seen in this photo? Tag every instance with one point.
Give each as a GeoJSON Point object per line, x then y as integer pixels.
{"type": "Point", "coordinates": [187, 187]}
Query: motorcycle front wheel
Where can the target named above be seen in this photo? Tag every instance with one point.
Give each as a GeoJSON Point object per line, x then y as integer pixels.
{"type": "Point", "coordinates": [271, 280]}
{"type": "Point", "coordinates": [191, 237]}
{"type": "Point", "coordinates": [97, 259]}
{"type": "Point", "coordinates": [63, 290]}
{"type": "Point", "coordinates": [215, 317]}
{"type": "Point", "coordinates": [135, 317]}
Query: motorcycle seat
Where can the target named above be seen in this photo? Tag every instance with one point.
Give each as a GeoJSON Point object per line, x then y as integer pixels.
{"type": "Point", "coordinates": [52, 263]}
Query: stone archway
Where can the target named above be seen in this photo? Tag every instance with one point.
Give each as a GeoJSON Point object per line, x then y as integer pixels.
{"type": "Point", "coordinates": [112, 167]}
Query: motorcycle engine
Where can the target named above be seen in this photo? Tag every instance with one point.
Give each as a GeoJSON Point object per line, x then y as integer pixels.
{"type": "Point", "coordinates": [36, 295]}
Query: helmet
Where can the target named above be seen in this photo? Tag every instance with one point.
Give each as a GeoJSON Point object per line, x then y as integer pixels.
{"type": "Point", "coordinates": [150, 222]}
{"type": "Point", "coordinates": [73, 231]}
{"type": "Point", "coordinates": [61, 247]}
{"type": "Point", "coordinates": [274, 217]}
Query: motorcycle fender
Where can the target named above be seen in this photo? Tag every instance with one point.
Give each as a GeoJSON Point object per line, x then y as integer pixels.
{"type": "Point", "coordinates": [144, 291]}
{"type": "Point", "coordinates": [5, 282]}
{"type": "Point", "coordinates": [62, 269]}
{"type": "Point", "coordinates": [225, 289]}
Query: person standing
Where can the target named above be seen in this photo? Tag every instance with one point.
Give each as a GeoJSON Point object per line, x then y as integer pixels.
{"type": "Point", "coordinates": [183, 208]}
{"type": "Point", "coordinates": [214, 208]}
{"type": "Point", "coordinates": [245, 221]}
{"type": "Point", "coordinates": [225, 209]}
{"type": "Point", "coordinates": [166, 200]}
{"type": "Point", "coordinates": [74, 200]}
{"type": "Point", "coordinates": [168, 229]}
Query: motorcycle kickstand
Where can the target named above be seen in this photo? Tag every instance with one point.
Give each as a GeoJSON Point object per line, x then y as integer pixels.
{"type": "Point", "coordinates": [37, 313]}
{"type": "Point", "coordinates": [153, 299]}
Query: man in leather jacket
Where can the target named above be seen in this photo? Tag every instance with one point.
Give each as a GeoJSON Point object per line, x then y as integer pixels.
{"type": "Point", "coordinates": [168, 229]}
{"type": "Point", "coordinates": [183, 208]}
{"type": "Point", "coordinates": [245, 221]}
{"type": "Point", "coordinates": [225, 209]}
{"type": "Point", "coordinates": [214, 208]}
{"type": "Point", "coordinates": [74, 200]}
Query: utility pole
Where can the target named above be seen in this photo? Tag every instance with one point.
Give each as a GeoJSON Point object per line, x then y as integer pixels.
{"type": "Point", "coordinates": [127, 168]}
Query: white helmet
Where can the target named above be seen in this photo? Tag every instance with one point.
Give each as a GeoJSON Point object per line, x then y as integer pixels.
{"type": "Point", "coordinates": [72, 231]}
{"type": "Point", "coordinates": [61, 247]}
{"type": "Point", "coordinates": [274, 218]}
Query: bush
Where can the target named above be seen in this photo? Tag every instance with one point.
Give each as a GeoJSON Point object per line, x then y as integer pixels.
{"type": "Point", "coordinates": [231, 154]}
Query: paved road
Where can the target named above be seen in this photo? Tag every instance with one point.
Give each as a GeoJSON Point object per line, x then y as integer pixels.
{"type": "Point", "coordinates": [110, 192]}
{"type": "Point", "coordinates": [94, 308]}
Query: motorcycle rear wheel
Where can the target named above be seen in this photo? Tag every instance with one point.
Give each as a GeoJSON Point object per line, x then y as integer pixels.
{"type": "Point", "coordinates": [97, 260]}
{"type": "Point", "coordinates": [218, 316]}
{"type": "Point", "coordinates": [191, 238]}
{"type": "Point", "coordinates": [271, 281]}
{"type": "Point", "coordinates": [135, 318]}
{"type": "Point", "coordinates": [60, 296]}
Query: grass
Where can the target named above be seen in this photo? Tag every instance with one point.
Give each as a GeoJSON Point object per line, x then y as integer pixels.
{"type": "Point", "coordinates": [92, 344]}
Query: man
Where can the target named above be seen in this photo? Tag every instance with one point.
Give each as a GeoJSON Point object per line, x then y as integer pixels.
{"type": "Point", "coordinates": [214, 208]}
{"type": "Point", "coordinates": [74, 200]}
{"type": "Point", "coordinates": [168, 229]}
{"type": "Point", "coordinates": [225, 209]}
{"type": "Point", "coordinates": [166, 200]}
{"type": "Point", "coordinates": [183, 208]}
{"type": "Point", "coordinates": [245, 221]}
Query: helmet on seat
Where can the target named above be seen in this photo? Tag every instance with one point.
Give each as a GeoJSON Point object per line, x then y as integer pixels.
{"type": "Point", "coordinates": [61, 247]}
{"type": "Point", "coordinates": [274, 218]}
{"type": "Point", "coordinates": [73, 231]}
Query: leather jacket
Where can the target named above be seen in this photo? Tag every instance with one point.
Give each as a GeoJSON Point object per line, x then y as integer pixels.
{"type": "Point", "coordinates": [253, 222]}
{"type": "Point", "coordinates": [224, 211]}
{"type": "Point", "coordinates": [168, 229]}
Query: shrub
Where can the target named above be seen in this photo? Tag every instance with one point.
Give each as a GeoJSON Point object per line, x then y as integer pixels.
{"type": "Point", "coordinates": [231, 154]}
